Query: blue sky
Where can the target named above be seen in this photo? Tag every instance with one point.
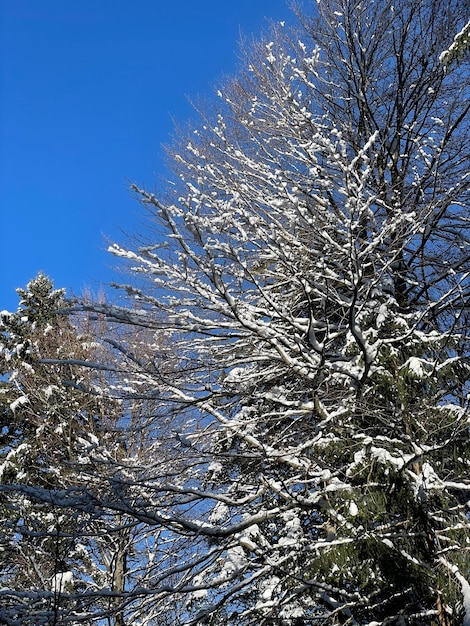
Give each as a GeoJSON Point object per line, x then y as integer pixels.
{"type": "Point", "coordinates": [88, 92]}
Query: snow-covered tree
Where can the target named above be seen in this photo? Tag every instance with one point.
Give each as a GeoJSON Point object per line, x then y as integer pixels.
{"type": "Point", "coordinates": [72, 445]}
{"type": "Point", "coordinates": [305, 455]}
{"type": "Point", "coordinates": [51, 414]}
{"type": "Point", "coordinates": [458, 48]}
{"type": "Point", "coordinates": [315, 273]}
{"type": "Point", "coordinates": [41, 418]}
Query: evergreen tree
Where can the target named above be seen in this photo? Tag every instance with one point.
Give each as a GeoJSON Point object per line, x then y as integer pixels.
{"type": "Point", "coordinates": [71, 449]}
{"type": "Point", "coordinates": [459, 47]}
{"type": "Point", "coordinates": [55, 410]}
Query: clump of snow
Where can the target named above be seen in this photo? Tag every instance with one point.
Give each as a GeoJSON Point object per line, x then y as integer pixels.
{"type": "Point", "coordinates": [235, 562]}
{"type": "Point", "coordinates": [60, 581]}
{"type": "Point", "coordinates": [382, 315]}
{"type": "Point", "coordinates": [353, 510]}
{"type": "Point", "coordinates": [292, 529]}
{"type": "Point", "coordinates": [417, 368]}
{"type": "Point", "coordinates": [248, 544]}
{"type": "Point", "coordinates": [18, 402]}
{"type": "Point", "coordinates": [5, 316]}
{"type": "Point", "coordinates": [50, 390]}
{"type": "Point", "coordinates": [199, 592]}
{"type": "Point", "coordinates": [269, 587]}
{"type": "Point", "coordinates": [215, 469]}
{"type": "Point", "coordinates": [218, 512]}
{"type": "Point", "coordinates": [270, 56]}
{"type": "Point", "coordinates": [426, 480]}
{"type": "Point", "coordinates": [381, 455]}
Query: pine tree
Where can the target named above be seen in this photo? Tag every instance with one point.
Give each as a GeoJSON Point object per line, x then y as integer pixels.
{"type": "Point", "coordinates": [55, 414]}
{"type": "Point", "coordinates": [72, 448]}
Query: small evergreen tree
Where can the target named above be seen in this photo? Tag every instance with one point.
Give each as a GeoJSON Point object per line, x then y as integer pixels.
{"type": "Point", "coordinates": [55, 410]}
{"type": "Point", "coordinates": [71, 449]}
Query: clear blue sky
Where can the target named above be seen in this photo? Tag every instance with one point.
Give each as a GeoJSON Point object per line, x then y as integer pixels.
{"type": "Point", "coordinates": [88, 91]}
